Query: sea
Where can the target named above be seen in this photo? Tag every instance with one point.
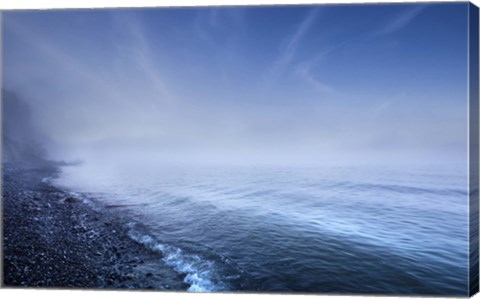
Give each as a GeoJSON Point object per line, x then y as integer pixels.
{"type": "Point", "coordinates": [340, 230]}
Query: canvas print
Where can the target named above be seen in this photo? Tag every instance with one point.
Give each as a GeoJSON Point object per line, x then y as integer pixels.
{"type": "Point", "coordinates": [325, 149]}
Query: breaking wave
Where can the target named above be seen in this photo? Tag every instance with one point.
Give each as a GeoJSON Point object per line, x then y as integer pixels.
{"type": "Point", "coordinates": [200, 273]}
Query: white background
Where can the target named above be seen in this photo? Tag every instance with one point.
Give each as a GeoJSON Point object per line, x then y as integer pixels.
{"type": "Point", "coordinates": [77, 294]}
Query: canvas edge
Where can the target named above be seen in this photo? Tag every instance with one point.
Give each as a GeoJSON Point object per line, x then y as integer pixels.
{"type": "Point", "coordinates": [473, 158]}
{"type": "Point", "coordinates": [1, 150]}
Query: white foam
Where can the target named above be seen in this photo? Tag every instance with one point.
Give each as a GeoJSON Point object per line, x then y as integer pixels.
{"type": "Point", "coordinates": [198, 271]}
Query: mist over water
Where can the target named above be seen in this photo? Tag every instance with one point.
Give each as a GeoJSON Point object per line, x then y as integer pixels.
{"type": "Point", "coordinates": [307, 229]}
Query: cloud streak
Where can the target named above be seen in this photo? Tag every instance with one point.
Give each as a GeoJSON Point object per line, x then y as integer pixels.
{"type": "Point", "coordinates": [401, 20]}
{"type": "Point", "coordinates": [89, 90]}
{"type": "Point", "coordinates": [291, 45]}
{"type": "Point", "coordinates": [304, 71]}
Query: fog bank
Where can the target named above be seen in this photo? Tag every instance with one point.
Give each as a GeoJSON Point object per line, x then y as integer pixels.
{"type": "Point", "coordinates": [219, 85]}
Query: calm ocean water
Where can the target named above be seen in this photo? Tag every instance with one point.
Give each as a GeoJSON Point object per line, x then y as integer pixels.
{"type": "Point", "coordinates": [332, 229]}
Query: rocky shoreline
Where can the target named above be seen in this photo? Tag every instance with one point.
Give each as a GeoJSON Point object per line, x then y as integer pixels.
{"type": "Point", "coordinates": [53, 238]}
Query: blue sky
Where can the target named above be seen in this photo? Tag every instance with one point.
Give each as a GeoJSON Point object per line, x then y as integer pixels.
{"type": "Point", "coordinates": [302, 83]}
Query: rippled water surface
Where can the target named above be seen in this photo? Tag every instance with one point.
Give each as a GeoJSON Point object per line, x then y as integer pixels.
{"type": "Point", "coordinates": [331, 229]}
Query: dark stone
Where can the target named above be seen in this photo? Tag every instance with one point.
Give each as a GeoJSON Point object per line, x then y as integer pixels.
{"type": "Point", "coordinates": [72, 200]}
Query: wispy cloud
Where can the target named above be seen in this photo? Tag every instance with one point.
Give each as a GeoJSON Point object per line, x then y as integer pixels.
{"type": "Point", "coordinates": [91, 89]}
{"type": "Point", "coordinates": [143, 54]}
{"type": "Point", "coordinates": [317, 84]}
{"type": "Point", "coordinates": [204, 22]}
{"type": "Point", "coordinates": [215, 25]}
{"type": "Point", "coordinates": [291, 45]}
{"type": "Point", "coordinates": [225, 31]}
{"type": "Point", "coordinates": [401, 20]}
{"type": "Point", "coordinates": [387, 104]}
{"type": "Point", "coordinates": [305, 71]}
